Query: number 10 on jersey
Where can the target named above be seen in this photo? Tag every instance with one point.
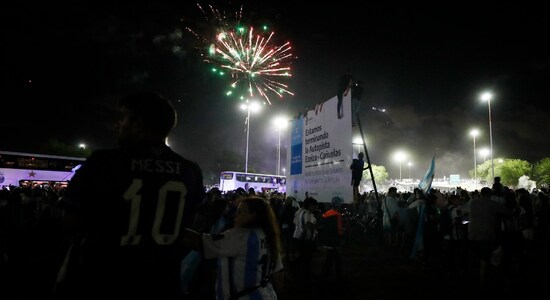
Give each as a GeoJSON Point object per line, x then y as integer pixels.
{"type": "Point", "coordinates": [131, 194]}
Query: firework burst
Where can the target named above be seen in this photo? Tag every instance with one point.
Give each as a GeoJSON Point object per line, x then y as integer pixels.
{"type": "Point", "coordinates": [255, 64]}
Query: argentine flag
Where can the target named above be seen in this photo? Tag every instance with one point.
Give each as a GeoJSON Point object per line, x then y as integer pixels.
{"type": "Point", "coordinates": [426, 183]}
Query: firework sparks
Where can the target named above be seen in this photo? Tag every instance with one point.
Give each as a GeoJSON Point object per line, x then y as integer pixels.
{"type": "Point", "coordinates": [255, 64]}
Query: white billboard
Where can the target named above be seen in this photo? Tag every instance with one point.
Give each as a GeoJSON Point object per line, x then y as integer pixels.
{"type": "Point", "coordinates": [320, 153]}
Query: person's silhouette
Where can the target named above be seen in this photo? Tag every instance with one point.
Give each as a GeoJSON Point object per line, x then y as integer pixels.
{"type": "Point", "coordinates": [357, 167]}
{"type": "Point", "coordinates": [344, 85]}
{"type": "Point", "coordinates": [127, 207]}
{"type": "Point", "coordinates": [356, 93]}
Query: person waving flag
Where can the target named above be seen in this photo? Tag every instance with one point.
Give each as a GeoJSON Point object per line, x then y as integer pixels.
{"type": "Point", "coordinates": [426, 183]}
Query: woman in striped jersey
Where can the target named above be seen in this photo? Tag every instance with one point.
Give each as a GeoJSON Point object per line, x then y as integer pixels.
{"type": "Point", "coordinates": [247, 254]}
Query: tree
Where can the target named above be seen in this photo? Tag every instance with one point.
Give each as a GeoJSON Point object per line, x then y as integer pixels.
{"type": "Point", "coordinates": [509, 170]}
{"type": "Point", "coordinates": [484, 172]}
{"type": "Point", "coordinates": [379, 172]}
{"type": "Point", "coordinates": [541, 172]}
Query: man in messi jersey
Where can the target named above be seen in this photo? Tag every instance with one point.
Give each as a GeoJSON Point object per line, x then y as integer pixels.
{"type": "Point", "coordinates": [128, 207]}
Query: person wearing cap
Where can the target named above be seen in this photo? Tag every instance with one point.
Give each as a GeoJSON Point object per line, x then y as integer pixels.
{"type": "Point", "coordinates": [330, 237]}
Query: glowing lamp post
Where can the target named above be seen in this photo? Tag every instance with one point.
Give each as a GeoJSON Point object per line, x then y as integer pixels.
{"type": "Point", "coordinates": [280, 123]}
{"type": "Point", "coordinates": [487, 96]}
{"type": "Point", "coordinates": [248, 106]}
{"type": "Point", "coordinates": [484, 152]}
{"type": "Point", "coordinates": [400, 157]}
{"type": "Point", "coordinates": [359, 142]}
{"type": "Point", "coordinates": [474, 133]}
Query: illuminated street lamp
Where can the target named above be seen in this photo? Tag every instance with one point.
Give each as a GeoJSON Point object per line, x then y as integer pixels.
{"type": "Point", "coordinates": [280, 123]}
{"type": "Point", "coordinates": [484, 152]}
{"type": "Point", "coordinates": [383, 110]}
{"type": "Point", "coordinates": [248, 106]}
{"type": "Point", "coordinates": [359, 142]}
{"type": "Point", "coordinates": [474, 133]}
{"type": "Point", "coordinates": [400, 157]}
{"type": "Point", "coordinates": [82, 146]}
{"type": "Point", "coordinates": [487, 96]}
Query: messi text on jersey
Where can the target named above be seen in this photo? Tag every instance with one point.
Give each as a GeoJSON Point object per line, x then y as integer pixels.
{"type": "Point", "coordinates": [156, 166]}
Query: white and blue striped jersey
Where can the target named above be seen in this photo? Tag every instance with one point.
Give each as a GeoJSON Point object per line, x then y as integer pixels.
{"type": "Point", "coordinates": [301, 231]}
{"type": "Point", "coordinates": [243, 260]}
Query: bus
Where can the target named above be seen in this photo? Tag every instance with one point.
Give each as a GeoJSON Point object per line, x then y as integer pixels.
{"type": "Point", "coordinates": [29, 169]}
{"type": "Point", "coordinates": [231, 180]}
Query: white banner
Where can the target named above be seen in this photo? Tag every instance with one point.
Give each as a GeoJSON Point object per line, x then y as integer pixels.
{"type": "Point", "coordinates": [320, 153]}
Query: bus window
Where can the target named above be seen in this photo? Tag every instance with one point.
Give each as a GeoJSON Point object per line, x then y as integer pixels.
{"type": "Point", "coordinates": [230, 180]}
{"type": "Point", "coordinates": [227, 176]}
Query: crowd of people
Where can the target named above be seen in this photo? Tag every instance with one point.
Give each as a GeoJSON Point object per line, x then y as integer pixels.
{"type": "Point", "coordinates": [458, 230]}
{"type": "Point", "coordinates": [460, 233]}
{"type": "Point", "coordinates": [153, 231]}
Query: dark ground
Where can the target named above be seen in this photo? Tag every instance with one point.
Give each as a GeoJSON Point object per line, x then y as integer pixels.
{"type": "Point", "coordinates": [371, 272]}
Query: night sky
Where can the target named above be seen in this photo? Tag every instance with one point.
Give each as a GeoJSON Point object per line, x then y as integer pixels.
{"type": "Point", "coordinates": [64, 66]}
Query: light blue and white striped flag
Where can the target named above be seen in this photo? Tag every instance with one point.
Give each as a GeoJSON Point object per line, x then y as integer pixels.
{"type": "Point", "coordinates": [426, 183]}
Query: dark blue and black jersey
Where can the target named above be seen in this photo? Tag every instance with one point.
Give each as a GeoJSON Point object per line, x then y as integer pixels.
{"type": "Point", "coordinates": [135, 203]}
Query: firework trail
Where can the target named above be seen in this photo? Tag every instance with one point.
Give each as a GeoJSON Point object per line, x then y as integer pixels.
{"type": "Point", "coordinates": [255, 63]}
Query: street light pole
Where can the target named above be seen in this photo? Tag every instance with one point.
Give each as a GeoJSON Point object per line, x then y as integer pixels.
{"type": "Point", "coordinates": [247, 138]}
{"type": "Point", "coordinates": [400, 157]}
{"type": "Point", "coordinates": [474, 133]}
{"type": "Point", "coordinates": [279, 153]}
{"type": "Point", "coordinates": [484, 152]}
{"type": "Point", "coordinates": [281, 123]}
{"type": "Point", "coordinates": [488, 97]}
{"type": "Point", "coordinates": [409, 164]}
{"type": "Point", "coordinates": [248, 106]}
{"type": "Point", "coordinates": [491, 140]}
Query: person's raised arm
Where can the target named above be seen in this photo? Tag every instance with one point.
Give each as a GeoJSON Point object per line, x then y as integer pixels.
{"type": "Point", "coordinates": [192, 239]}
